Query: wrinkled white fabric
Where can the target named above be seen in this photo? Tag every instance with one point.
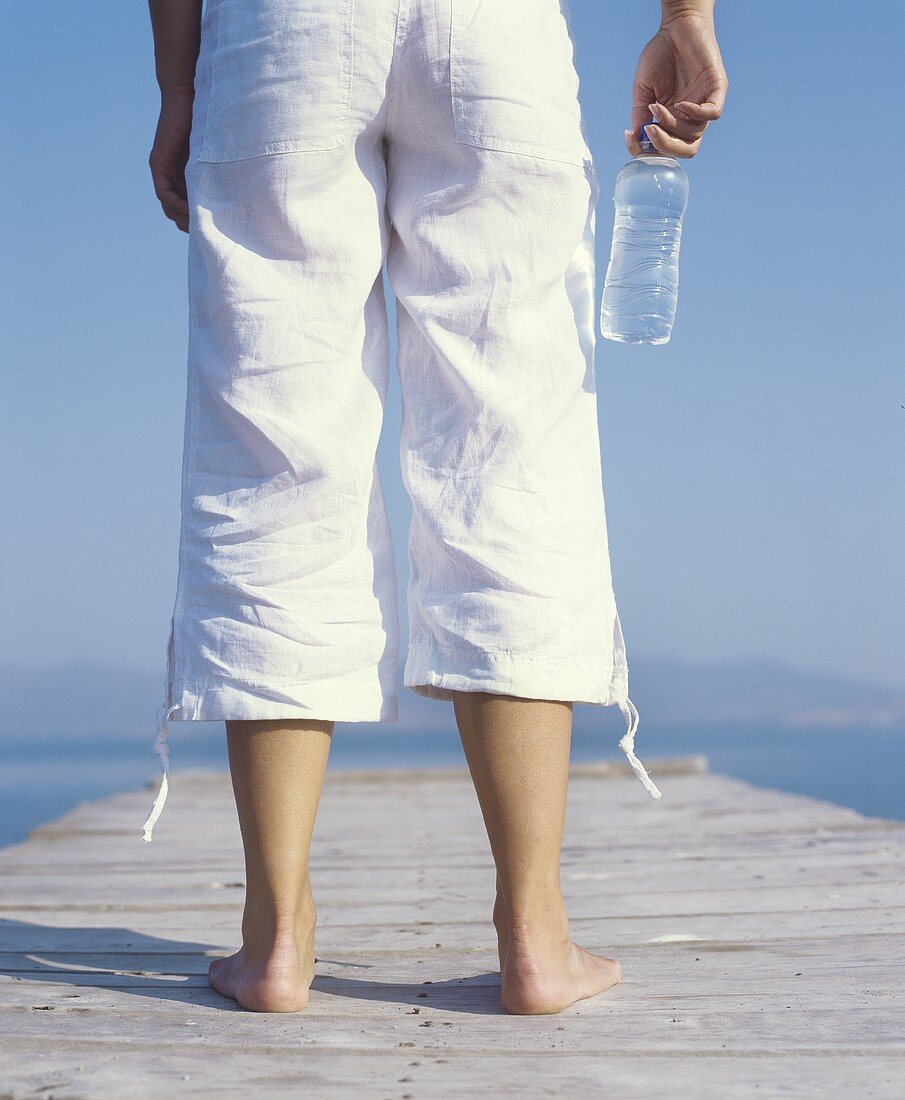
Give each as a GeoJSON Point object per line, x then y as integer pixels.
{"type": "Point", "coordinates": [443, 138]}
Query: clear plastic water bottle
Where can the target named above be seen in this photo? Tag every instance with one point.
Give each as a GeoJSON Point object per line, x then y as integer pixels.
{"type": "Point", "coordinates": [642, 279]}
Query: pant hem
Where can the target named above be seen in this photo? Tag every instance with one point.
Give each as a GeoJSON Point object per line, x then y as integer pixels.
{"type": "Point", "coordinates": [435, 674]}
{"type": "Point", "coordinates": [338, 702]}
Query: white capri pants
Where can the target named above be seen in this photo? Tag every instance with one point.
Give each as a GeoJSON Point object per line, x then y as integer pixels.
{"type": "Point", "coordinates": [443, 138]}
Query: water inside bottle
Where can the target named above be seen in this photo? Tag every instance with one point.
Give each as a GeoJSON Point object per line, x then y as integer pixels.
{"type": "Point", "coordinates": [642, 281]}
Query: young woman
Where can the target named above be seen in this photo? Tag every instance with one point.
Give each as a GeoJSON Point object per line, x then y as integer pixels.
{"type": "Point", "coordinates": [303, 144]}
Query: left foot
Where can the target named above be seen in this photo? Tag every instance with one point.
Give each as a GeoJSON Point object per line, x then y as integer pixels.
{"type": "Point", "coordinates": [542, 970]}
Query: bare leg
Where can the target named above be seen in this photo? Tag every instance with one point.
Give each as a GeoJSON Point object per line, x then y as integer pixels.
{"type": "Point", "coordinates": [277, 772]}
{"type": "Point", "coordinates": [518, 755]}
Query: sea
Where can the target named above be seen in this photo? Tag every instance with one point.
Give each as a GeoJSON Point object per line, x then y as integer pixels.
{"type": "Point", "coordinates": [862, 768]}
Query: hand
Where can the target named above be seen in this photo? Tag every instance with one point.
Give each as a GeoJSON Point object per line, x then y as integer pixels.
{"type": "Point", "coordinates": [170, 153]}
{"type": "Point", "coordinates": [681, 82]}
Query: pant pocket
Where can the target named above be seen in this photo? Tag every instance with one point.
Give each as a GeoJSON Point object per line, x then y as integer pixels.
{"type": "Point", "coordinates": [276, 76]}
{"type": "Point", "coordinates": [513, 79]}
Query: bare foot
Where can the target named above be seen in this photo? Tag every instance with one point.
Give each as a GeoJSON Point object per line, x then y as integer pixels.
{"type": "Point", "coordinates": [273, 976]}
{"type": "Point", "coordinates": [542, 970]}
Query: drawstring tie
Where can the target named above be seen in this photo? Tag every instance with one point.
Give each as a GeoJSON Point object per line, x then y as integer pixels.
{"type": "Point", "coordinates": [627, 744]}
{"type": "Point", "coordinates": [162, 749]}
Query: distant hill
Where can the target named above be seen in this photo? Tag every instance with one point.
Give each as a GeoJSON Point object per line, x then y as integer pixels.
{"type": "Point", "coordinates": [760, 691]}
{"type": "Point", "coordinates": [93, 700]}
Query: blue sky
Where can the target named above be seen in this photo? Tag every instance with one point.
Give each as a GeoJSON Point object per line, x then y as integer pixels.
{"type": "Point", "coordinates": [753, 466]}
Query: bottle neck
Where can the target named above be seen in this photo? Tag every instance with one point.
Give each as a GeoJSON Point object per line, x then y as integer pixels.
{"type": "Point", "coordinates": [656, 155]}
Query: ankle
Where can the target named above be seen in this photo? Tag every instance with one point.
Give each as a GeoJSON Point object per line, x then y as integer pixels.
{"type": "Point", "coordinates": [533, 918]}
{"type": "Point", "coordinates": [276, 927]}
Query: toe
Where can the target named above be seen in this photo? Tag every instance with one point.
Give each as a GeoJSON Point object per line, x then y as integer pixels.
{"type": "Point", "coordinates": [606, 973]}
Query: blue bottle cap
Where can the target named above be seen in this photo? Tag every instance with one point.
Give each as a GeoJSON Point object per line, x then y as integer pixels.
{"type": "Point", "coordinates": [647, 146]}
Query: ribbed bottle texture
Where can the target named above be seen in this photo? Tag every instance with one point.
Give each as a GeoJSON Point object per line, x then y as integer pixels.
{"type": "Point", "coordinates": [641, 290]}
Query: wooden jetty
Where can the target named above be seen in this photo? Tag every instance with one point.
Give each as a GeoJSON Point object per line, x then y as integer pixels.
{"type": "Point", "coordinates": [761, 935]}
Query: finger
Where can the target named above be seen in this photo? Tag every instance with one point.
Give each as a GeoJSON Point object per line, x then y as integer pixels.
{"type": "Point", "coordinates": [707, 111]}
{"type": "Point", "coordinates": [172, 200]}
{"type": "Point", "coordinates": [632, 143]}
{"type": "Point", "coordinates": [168, 191]}
{"type": "Point", "coordinates": [672, 146]}
{"type": "Point", "coordinates": [179, 218]}
{"type": "Point", "coordinates": [678, 127]}
{"type": "Point", "coordinates": [640, 115]}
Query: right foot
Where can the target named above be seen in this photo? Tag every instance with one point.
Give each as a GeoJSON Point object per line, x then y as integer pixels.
{"type": "Point", "coordinates": [543, 971]}
{"type": "Point", "coordinates": [268, 977]}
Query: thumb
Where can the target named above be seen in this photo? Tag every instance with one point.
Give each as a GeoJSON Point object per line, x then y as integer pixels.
{"type": "Point", "coordinates": [639, 117]}
{"type": "Point", "coordinates": [640, 113]}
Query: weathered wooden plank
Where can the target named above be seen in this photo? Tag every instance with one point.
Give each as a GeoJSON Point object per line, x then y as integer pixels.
{"type": "Point", "coordinates": [661, 873]}
{"type": "Point", "coordinates": [747, 982]}
{"type": "Point", "coordinates": [772, 851]}
{"type": "Point", "coordinates": [166, 930]}
{"type": "Point", "coordinates": [462, 842]}
{"type": "Point", "coordinates": [585, 901]}
{"type": "Point", "coordinates": [464, 1018]}
{"type": "Point", "coordinates": [771, 959]}
{"type": "Point", "coordinates": [412, 1072]}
